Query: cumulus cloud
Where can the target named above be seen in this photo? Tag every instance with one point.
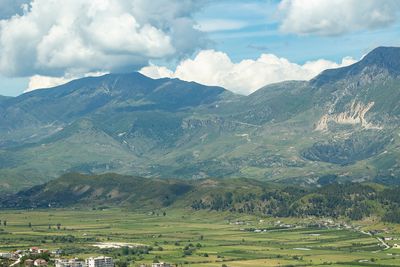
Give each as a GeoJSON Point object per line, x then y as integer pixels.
{"type": "Point", "coordinates": [43, 82]}
{"type": "Point", "coordinates": [335, 17]}
{"type": "Point", "coordinates": [53, 38]}
{"type": "Point", "coordinates": [216, 68]}
{"type": "Point", "coordinates": [40, 82]}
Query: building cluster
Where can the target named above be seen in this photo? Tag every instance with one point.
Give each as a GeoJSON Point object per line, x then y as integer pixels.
{"type": "Point", "coordinates": [37, 262]}
{"type": "Point", "coordinates": [29, 257]}
{"type": "Point", "coordinates": [32, 257]}
{"type": "Point", "coordinates": [90, 262]}
{"type": "Point", "coordinates": [69, 263]}
{"type": "Point", "coordinates": [158, 264]}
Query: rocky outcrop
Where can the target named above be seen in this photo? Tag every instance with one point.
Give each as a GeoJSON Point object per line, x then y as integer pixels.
{"type": "Point", "coordinates": [354, 116]}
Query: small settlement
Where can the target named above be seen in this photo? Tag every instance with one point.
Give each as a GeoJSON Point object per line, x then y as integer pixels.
{"type": "Point", "coordinates": [36, 256]}
{"type": "Point", "coordinates": [42, 257]}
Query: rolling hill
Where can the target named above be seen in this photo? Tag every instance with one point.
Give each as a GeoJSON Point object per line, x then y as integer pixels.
{"type": "Point", "coordinates": [344, 122]}
{"type": "Point", "coordinates": [349, 200]}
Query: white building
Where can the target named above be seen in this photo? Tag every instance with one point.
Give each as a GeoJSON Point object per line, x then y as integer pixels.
{"type": "Point", "coordinates": [161, 264]}
{"type": "Point", "coordinates": [69, 263]}
{"type": "Point", "coordinates": [100, 262]}
{"type": "Point", "coordinates": [6, 255]}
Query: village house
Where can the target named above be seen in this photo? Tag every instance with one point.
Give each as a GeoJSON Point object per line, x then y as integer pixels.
{"type": "Point", "coordinates": [34, 250]}
{"type": "Point", "coordinates": [57, 252]}
{"type": "Point", "coordinates": [69, 263]}
{"type": "Point", "coordinates": [28, 262]}
{"type": "Point", "coordinates": [40, 262]}
{"type": "Point", "coordinates": [161, 264]}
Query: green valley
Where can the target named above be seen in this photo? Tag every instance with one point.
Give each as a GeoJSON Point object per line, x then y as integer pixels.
{"type": "Point", "coordinates": [188, 238]}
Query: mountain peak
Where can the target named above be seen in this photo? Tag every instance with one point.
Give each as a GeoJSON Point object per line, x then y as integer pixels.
{"type": "Point", "coordinates": [380, 58]}
{"type": "Point", "coordinates": [386, 57]}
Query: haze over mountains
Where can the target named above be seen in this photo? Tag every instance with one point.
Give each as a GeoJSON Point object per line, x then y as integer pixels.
{"type": "Point", "coordinates": [344, 123]}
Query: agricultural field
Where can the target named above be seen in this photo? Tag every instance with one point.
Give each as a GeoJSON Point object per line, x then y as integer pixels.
{"type": "Point", "coordinates": [196, 239]}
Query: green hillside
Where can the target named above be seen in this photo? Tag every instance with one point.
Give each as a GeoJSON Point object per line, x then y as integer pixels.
{"type": "Point", "coordinates": [344, 122]}
{"type": "Point", "coordinates": [350, 200]}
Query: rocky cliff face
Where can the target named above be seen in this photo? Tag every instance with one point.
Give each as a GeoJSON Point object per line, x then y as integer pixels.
{"type": "Point", "coordinates": [355, 115]}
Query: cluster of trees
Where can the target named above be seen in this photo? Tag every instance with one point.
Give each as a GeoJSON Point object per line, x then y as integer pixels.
{"type": "Point", "coordinates": [190, 249]}
{"type": "Point", "coordinates": [4, 223]}
{"type": "Point", "coordinates": [391, 198]}
{"type": "Point", "coordinates": [135, 250]}
{"type": "Point", "coordinates": [274, 202]}
{"type": "Point", "coordinates": [5, 262]}
{"type": "Point", "coordinates": [352, 200]}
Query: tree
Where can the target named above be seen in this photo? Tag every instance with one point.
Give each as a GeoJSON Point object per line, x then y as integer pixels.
{"type": "Point", "coordinates": [4, 222]}
{"type": "Point", "coordinates": [58, 226]}
{"type": "Point", "coordinates": [125, 250]}
{"type": "Point", "coordinates": [122, 264]}
{"type": "Point", "coordinates": [30, 225]}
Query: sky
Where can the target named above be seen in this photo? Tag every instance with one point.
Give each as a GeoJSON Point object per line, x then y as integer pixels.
{"type": "Point", "coordinates": [240, 45]}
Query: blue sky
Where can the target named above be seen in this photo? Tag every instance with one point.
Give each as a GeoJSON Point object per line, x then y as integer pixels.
{"type": "Point", "coordinates": [260, 34]}
{"type": "Point", "coordinates": [207, 35]}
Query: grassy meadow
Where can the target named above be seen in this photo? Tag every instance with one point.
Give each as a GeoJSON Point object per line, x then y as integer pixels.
{"type": "Point", "coordinates": [194, 239]}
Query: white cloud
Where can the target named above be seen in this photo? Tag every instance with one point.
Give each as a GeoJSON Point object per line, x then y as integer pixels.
{"type": "Point", "coordinates": [52, 38]}
{"type": "Point", "coordinates": [43, 82]}
{"type": "Point", "coordinates": [156, 72]}
{"type": "Point", "coordinates": [215, 25]}
{"type": "Point", "coordinates": [216, 68]}
{"type": "Point", "coordinates": [334, 17]}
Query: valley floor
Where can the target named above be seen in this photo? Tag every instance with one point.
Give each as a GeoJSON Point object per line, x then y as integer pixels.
{"type": "Point", "coordinates": [198, 239]}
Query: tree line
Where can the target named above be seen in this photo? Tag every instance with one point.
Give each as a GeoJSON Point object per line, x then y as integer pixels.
{"type": "Point", "coordinates": [352, 200]}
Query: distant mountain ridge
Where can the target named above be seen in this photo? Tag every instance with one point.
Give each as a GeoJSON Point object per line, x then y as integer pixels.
{"type": "Point", "coordinates": [343, 122]}
{"type": "Point", "coordinates": [87, 95]}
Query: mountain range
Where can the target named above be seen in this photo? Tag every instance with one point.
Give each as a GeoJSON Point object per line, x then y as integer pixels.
{"type": "Point", "coordinates": [342, 124]}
